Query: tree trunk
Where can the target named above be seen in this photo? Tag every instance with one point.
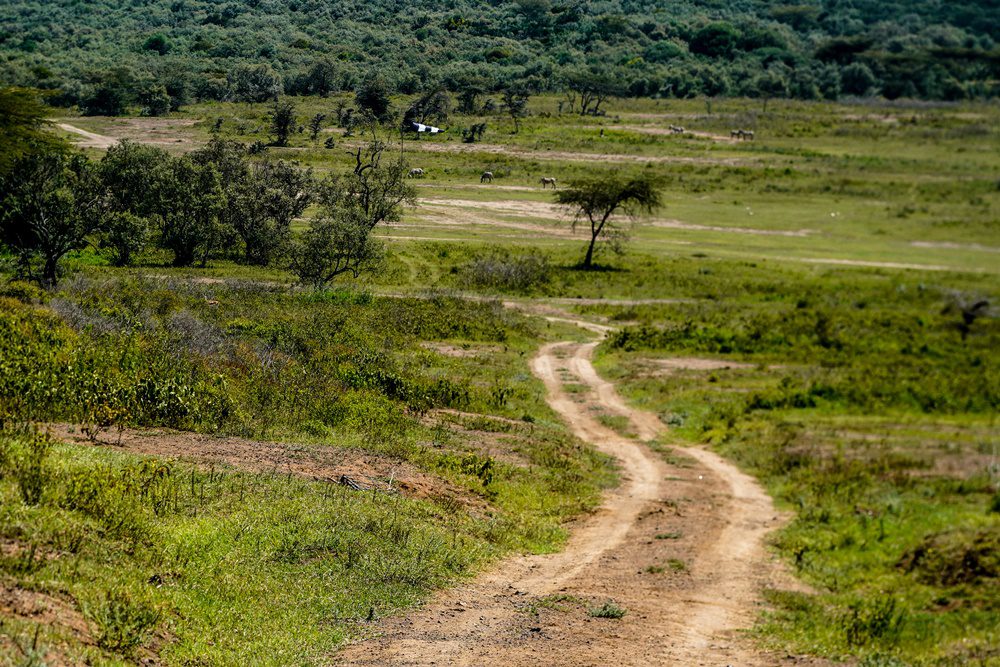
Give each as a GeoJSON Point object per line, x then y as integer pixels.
{"type": "Point", "coordinates": [183, 256]}
{"type": "Point", "coordinates": [50, 272]}
{"type": "Point", "coordinates": [588, 261]}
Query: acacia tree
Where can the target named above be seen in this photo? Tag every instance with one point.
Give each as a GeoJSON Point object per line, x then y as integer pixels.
{"type": "Point", "coordinates": [434, 104]}
{"type": "Point", "coordinates": [261, 198]}
{"type": "Point", "coordinates": [593, 86]}
{"type": "Point", "coordinates": [263, 206]}
{"type": "Point", "coordinates": [50, 203]}
{"type": "Point", "coordinates": [316, 125]}
{"type": "Point", "coordinates": [133, 177]}
{"type": "Point", "coordinates": [515, 103]}
{"type": "Point", "coordinates": [597, 200]}
{"type": "Point", "coordinates": [333, 245]}
{"type": "Point", "coordinates": [254, 83]}
{"type": "Point", "coordinates": [22, 126]}
{"type": "Point", "coordinates": [373, 96]}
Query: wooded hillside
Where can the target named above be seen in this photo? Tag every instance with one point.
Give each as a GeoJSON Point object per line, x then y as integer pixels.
{"type": "Point", "coordinates": [208, 49]}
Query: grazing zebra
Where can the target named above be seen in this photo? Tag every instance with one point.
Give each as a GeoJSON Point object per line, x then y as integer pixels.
{"type": "Point", "coordinates": [545, 180]}
{"type": "Point", "coordinates": [416, 172]}
{"type": "Point", "coordinates": [748, 135]}
{"type": "Point", "coordinates": [487, 177]}
{"type": "Point", "coordinates": [675, 129]}
{"type": "Point", "coordinates": [735, 134]}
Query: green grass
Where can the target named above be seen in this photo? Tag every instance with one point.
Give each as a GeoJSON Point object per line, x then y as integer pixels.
{"type": "Point", "coordinates": [201, 551]}
{"type": "Point", "coordinates": [865, 410]}
{"type": "Point", "coordinates": [862, 408]}
{"type": "Point", "coordinates": [607, 610]}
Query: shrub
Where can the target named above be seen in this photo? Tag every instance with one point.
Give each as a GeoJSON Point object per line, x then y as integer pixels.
{"type": "Point", "coordinates": [607, 610]}
{"type": "Point", "coordinates": [504, 271]}
{"type": "Point", "coordinates": [955, 557]}
{"type": "Point", "coordinates": [873, 620]}
{"type": "Point", "coordinates": [24, 292]}
{"type": "Point", "coordinates": [123, 619]}
{"type": "Point", "coordinates": [29, 466]}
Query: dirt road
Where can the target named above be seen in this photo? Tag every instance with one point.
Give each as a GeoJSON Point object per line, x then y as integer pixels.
{"type": "Point", "coordinates": [678, 545]}
{"type": "Point", "coordinates": [90, 139]}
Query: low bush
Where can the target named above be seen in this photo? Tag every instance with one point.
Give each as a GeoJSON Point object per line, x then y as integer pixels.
{"type": "Point", "coordinates": [607, 610]}
{"type": "Point", "coordinates": [956, 557]}
{"type": "Point", "coordinates": [123, 618]}
{"type": "Point", "coordinates": [504, 271]}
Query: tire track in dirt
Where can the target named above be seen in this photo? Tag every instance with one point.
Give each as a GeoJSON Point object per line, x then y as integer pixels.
{"type": "Point", "coordinates": [717, 516]}
{"type": "Point", "coordinates": [90, 139]}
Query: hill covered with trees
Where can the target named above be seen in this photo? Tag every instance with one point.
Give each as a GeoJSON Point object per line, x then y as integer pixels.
{"type": "Point", "coordinates": [105, 55]}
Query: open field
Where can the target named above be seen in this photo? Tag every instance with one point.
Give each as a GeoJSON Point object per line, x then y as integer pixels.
{"type": "Point", "coordinates": [791, 320]}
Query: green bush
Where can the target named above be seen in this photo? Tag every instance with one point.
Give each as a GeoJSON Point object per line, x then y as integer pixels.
{"type": "Point", "coordinates": [607, 610]}
{"type": "Point", "coordinates": [28, 455]}
{"type": "Point", "coordinates": [875, 620]}
{"type": "Point", "coordinates": [123, 618]}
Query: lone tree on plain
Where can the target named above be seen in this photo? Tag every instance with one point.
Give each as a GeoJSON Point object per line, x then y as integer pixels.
{"type": "Point", "coordinates": [597, 200]}
{"type": "Point", "coordinates": [515, 103]}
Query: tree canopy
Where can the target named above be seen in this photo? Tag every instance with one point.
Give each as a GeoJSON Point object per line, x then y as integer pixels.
{"type": "Point", "coordinates": [253, 51]}
{"type": "Point", "coordinates": [596, 201]}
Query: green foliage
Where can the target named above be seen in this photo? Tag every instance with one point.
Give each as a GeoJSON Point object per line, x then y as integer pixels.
{"type": "Point", "coordinates": [373, 95]}
{"type": "Point", "coordinates": [607, 610]}
{"type": "Point", "coordinates": [941, 51]}
{"type": "Point", "coordinates": [49, 205]}
{"type": "Point", "coordinates": [332, 246]}
{"type": "Point", "coordinates": [22, 125]}
{"type": "Point", "coordinates": [895, 351]}
{"type": "Point", "coordinates": [24, 454]}
{"type": "Point", "coordinates": [956, 557]}
{"type": "Point", "coordinates": [873, 620]}
{"type": "Point", "coordinates": [125, 235]}
{"type": "Point", "coordinates": [123, 618]}
{"type": "Point", "coordinates": [596, 200]}
{"type": "Point", "coordinates": [254, 83]}
{"type": "Point", "coordinates": [283, 122]}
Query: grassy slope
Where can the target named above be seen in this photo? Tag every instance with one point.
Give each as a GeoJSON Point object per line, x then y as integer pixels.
{"type": "Point", "coordinates": [891, 182]}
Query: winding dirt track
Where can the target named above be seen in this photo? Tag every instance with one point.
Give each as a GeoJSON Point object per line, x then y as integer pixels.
{"type": "Point", "coordinates": [687, 592]}
{"type": "Point", "coordinates": [90, 139]}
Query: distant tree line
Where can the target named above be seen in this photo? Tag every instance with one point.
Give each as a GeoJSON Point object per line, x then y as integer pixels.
{"type": "Point", "coordinates": [159, 55]}
{"type": "Point", "coordinates": [214, 202]}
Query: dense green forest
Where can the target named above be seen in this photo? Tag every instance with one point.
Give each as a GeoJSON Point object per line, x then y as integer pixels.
{"type": "Point", "coordinates": [107, 56]}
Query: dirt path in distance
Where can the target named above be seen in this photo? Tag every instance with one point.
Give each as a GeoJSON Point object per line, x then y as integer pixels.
{"type": "Point", "coordinates": [90, 139]}
{"type": "Point", "coordinates": [679, 545]}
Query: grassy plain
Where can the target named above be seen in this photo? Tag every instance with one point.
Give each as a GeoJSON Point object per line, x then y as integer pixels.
{"type": "Point", "coordinates": [828, 256]}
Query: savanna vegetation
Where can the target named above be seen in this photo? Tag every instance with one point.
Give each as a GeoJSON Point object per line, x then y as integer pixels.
{"type": "Point", "coordinates": [867, 404]}
{"type": "Point", "coordinates": [269, 274]}
{"type": "Point", "coordinates": [158, 56]}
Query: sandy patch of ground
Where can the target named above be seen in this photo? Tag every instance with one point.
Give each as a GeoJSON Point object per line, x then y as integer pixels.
{"type": "Point", "coordinates": [89, 139]}
{"type": "Point", "coordinates": [874, 265]}
{"type": "Point", "coordinates": [311, 462]}
{"type": "Point", "coordinates": [946, 245]}
{"type": "Point", "coordinates": [665, 131]}
{"type": "Point", "coordinates": [677, 224]}
{"type": "Point", "coordinates": [55, 615]}
{"type": "Point", "coordinates": [169, 133]}
{"type": "Point", "coordinates": [465, 351]}
{"type": "Point", "coordinates": [698, 364]}
{"type": "Point", "coordinates": [457, 212]}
